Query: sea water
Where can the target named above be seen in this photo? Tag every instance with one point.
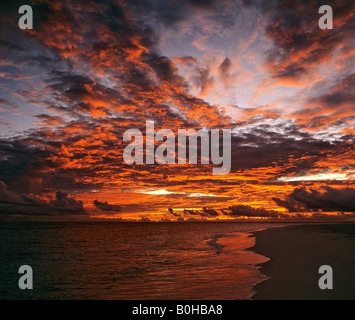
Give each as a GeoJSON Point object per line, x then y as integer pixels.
{"type": "Point", "coordinates": [99, 260]}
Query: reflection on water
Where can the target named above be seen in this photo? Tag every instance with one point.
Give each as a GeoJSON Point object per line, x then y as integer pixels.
{"type": "Point", "coordinates": [130, 260]}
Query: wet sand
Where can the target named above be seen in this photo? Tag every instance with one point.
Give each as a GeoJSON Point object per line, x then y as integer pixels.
{"type": "Point", "coordinates": [297, 252]}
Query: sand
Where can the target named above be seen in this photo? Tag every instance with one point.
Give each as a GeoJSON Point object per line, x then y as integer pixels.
{"type": "Point", "coordinates": [297, 252]}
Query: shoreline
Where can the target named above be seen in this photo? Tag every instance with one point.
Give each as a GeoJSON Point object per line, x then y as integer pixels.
{"type": "Point", "coordinates": [296, 252]}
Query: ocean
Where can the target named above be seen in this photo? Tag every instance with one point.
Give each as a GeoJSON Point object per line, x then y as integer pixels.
{"type": "Point", "coordinates": [116, 261]}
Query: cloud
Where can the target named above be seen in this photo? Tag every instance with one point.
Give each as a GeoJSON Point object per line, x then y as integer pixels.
{"type": "Point", "coordinates": [12, 203]}
{"type": "Point", "coordinates": [89, 82]}
{"type": "Point", "coordinates": [192, 212]}
{"type": "Point", "coordinates": [225, 75]}
{"type": "Point", "coordinates": [48, 120]}
{"type": "Point", "coordinates": [205, 212]}
{"type": "Point", "coordinates": [105, 206]}
{"type": "Point", "coordinates": [233, 212]}
{"type": "Point", "coordinates": [64, 203]}
{"type": "Point", "coordinates": [327, 199]}
{"type": "Point", "coordinates": [299, 44]}
{"type": "Point", "coordinates": [281, 145]}
{"type": "Point", "coordinates": [331, 106]}
{"type": "Point", "coordinates": [249, 211]}
{"type": "Point", "coordinates": [209, 212]}
{"type": "Point", "coordinates": [171, 210]}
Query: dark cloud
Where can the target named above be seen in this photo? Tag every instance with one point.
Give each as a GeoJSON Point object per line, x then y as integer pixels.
{"type": "Point", "coordinates": [248, 211]}
{"type": "Point", "coordinates": [225, 72]}
{"type": "Point", "coordinates": [191, 212]}
{"type": "Point", "coordinates": [281, 144]}
{"type": "Point", "coordinates": [18, 156]}
{"type": "Point", "coordinates": [328, 199]}
{"type": "Point", "coordinates": [339, 96]}
{"type": "Point", "coordinates": [64, 203]}
{"type": "Point", "coordinates": [234, 211]}
{"type": "Point", "coordinates": [299, 42]}
{"type": "Point", "coordinates": [48, 120]}
{"type": "Point", "coordinates": [165, 69]}
{"type": "Point", "coordinates": [205, 212]}
{"type": "Point", "coordinates": [330, 105]}
{"type": "Point", "coordinates": [105, 206]}
{"type": "Point", "coordinates": [170, 13]}
{"type": "Point", "coordinates": [171, 210]}
{"type": "Point", "coordinates": [203, 80]}
{"type": "Point", "coordinates": [201, 77]}
{"type": "Point", "coordinates": [8, 105]}
{"type": "Point", "coordinates": [209, 212]}
{"type": "Point", "coordinates": [225, 66]}
{"type": "Point", "coordinates": [12, 203]}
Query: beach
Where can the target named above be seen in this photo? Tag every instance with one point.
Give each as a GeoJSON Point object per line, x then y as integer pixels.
{"type": "Point", "coordinates": [297, 252]}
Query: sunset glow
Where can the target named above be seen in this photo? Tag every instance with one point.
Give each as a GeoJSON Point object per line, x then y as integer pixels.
{"type": "Point", "coordinates": [72, 86]}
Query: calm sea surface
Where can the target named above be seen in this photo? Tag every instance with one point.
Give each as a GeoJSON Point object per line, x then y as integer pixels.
{"type": "Point", "coordinates": [130, 260]}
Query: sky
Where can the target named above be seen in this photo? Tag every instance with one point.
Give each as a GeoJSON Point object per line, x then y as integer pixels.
{"type": "Point", "coordinates": [89, 70]}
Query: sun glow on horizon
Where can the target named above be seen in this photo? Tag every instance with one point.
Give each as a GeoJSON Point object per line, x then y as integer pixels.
{"type": "Point", "coordinates": [320, 177]}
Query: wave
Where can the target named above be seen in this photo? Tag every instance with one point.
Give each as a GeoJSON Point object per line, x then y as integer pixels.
{"type": "Point", "coordinates": [214, 242]}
